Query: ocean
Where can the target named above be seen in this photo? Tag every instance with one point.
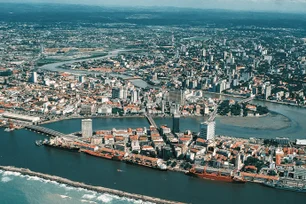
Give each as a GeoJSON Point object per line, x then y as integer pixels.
{"type": "Point", "coordinates": [18, 188]}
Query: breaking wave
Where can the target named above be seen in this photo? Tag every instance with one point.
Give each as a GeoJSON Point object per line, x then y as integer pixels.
{"type": "Point", "coordinates": [89, 196]}
{"type": "Point", "coordinates": [105, 198]}
{"type": "Point", "coordinates": [5, 179]}
{"type": "Point", "coordinates": [87, 201]}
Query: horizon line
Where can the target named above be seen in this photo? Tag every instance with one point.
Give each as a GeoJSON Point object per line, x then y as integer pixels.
{"type": "Point", "coordinates": [160, 7]}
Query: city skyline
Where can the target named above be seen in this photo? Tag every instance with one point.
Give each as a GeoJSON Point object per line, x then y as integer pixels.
{"type": "Point", "coordinates": [245, 5]}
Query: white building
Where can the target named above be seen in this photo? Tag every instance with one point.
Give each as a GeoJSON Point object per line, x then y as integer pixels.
{"type": "Point", "coordinates": [86, 128]}
{"type": "Point", "coordinates": [34, 77]}
{"type": "Point", "coordinates": [268, 91]}
{"type": "Point", "coordinates": [25, 118]}
{"type": "Point", "coordinates": [207, 130]}
{"type": "Point", "coordinates": [301, 142]}
{"type": "Point", "coordinates": [81, 79]}
{"type": "Point", "coordinates": [134, 98]}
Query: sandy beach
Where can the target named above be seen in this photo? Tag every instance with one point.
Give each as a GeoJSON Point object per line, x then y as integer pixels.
{"type": "Point", "coordinates": [272, 121]}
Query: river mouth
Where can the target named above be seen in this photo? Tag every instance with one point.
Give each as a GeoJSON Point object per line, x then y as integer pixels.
{"type": "Point", "coordinates": [271, 121]}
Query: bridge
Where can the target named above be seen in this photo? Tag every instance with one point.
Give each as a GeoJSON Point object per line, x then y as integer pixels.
{"type": "Point", "coordinates": [44, 130]}
{"type": "Point", "coordinates": [246, 100]}
{"type": "Point", "coordinates": [151, 121]}
{"type": "Point", "coordinates": [50, 132]}
{"type": "Point", "coordinates": [214, 113]}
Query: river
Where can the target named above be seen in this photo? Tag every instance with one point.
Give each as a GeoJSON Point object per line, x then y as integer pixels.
{"type": "Point", "coordinates": [56, 67]}
{"type": "Point", "coordinates": [17, 149]}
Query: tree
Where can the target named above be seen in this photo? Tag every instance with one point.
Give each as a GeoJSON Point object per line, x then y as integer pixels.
{"type": "Point", "coordinates": [173, 164]}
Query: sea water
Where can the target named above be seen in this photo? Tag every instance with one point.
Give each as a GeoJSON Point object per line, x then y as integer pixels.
{"type": "Point", "coordinates": [18, 188]}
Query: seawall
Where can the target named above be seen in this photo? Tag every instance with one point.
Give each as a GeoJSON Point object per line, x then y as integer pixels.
{"type": "Point", "coordinates": [88, 187]}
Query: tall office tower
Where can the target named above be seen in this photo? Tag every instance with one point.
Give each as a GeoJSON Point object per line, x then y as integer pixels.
{"type": "Point", "coordinates": [176, 123]}
{"type": "Point", "coordinates": [211, 58]}
{"type": "Point", "coordinates": [207, 130]}
{"type": "Point", "coordinates": [163, 107]}
{"type": "Point", "coordinates": [34, 77]}
{"type": "Point", "coordinates": [125, 93]}
{"type": "Point", "coordinates": [177, 96]}
{"type": "Point", "coordinates": [134, 98]}
{"type": "Point", "coordinates": [117, 92]}
{"type": "Point", "coordinates": [204, 53]}
{"type": "Point", "coordinates": [172, 40]}
{"type": "Point", "coordinates": [224, 55]}
{"type": "Point", "coordinates": [267, 91]}
{"type": "Point", "coordinates": [238, 162]}
{"type": "Point", "coordinates": [86, 128]}
{"type": "Point", "coordinates": [81, 79]}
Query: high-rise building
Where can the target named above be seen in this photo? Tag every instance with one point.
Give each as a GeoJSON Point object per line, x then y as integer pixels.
{"type": "Point", "coordinates": [207, 130]}
{"type": "Point", "coordinates": [267, 91]}
{"type": "Point", "coordinates": [177, 96]}
{"type": "Point", "coordinates": [125, 93]}
{"type": "Point", "coordinates": [34, 77]}
{"type": "Point", "coordinates": [211, 58]}
{"type": "Point", "coordinates": [224, 55]}
{"type": "Point", "coordinates": [86, 128]}
{"type": "Point", "coordinates": [204, 53]}
{"type": "Point", "coordinates": [81, 79]}
{"type": "Point", "coordinates": [238, 162]}
{"type": "Point", "coordinates": [117, 93]}
{"type": "Point", "coordinates": [134, 98]}
{"type": "Point", "coordinates": [176, 123]}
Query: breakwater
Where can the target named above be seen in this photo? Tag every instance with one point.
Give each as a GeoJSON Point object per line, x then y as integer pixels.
{"type": "Point", "coordinates": [88, 187]}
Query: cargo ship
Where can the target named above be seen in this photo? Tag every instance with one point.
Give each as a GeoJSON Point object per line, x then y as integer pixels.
{"type": "Point", "coordinates": [146, 161]}
{"type": "Point", "coordinates": [218, 176]}
{"type": "Point", "coordinates": [281, 186]}
{"type": "Point", "coordinates": [59, 146]}
{"type": "Point", "coordinates": [112, 156]}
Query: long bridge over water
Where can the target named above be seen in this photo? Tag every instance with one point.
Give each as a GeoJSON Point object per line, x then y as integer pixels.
{"type": "Point", "coordinates": [151, 121]}
{"type": "Point", "coordinates": [49, 132]}
{"type": "Point", "coordinates": [246, 100]}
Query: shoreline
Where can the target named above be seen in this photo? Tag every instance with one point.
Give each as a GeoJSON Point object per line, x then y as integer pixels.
{"type": "Point", "coordinates": [255, 99]}
{"type": "Point", "coordinates": [98, 189]}
{"type": "Point", "coordinates": [270, 121]}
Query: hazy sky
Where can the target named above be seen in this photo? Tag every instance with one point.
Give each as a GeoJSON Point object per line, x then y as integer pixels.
{"type": "Point", "coordinates": [272, 5]}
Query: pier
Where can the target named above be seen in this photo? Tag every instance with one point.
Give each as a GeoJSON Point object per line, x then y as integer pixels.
{"type": "Point", "coordinates": [89, 187]}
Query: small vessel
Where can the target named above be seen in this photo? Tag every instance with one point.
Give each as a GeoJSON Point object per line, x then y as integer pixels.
{"type": "Point", "coordinates": [119, 170]}
{"type": "Point", "coordinates": [218, 176]}
{"type": "Point", "coordinates": [283, 186]}
{"type": "Point", "coordinates": [9, 129]}
{"type": "Point", "coordinates": [39, 142]}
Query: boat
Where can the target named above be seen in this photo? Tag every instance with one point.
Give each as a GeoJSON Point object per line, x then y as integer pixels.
{"type": "Point", "coordinates": [39, 142]}
{"type": "Point", "coordinates": [9, 129]}
{"type": "Point", "coordinates": [282, 186]}
{"type": "Point", "coordinates": [146, 161]}
{"type": "Point", "coordinates": [218, 176]}
{"type": "Point", "coordinates": [69, 148]}
{"type": "Point", "coordinates": [98, 154]}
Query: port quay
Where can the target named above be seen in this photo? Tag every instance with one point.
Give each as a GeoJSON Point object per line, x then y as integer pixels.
{"type": "Point", "coordinates": [88, 187]}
